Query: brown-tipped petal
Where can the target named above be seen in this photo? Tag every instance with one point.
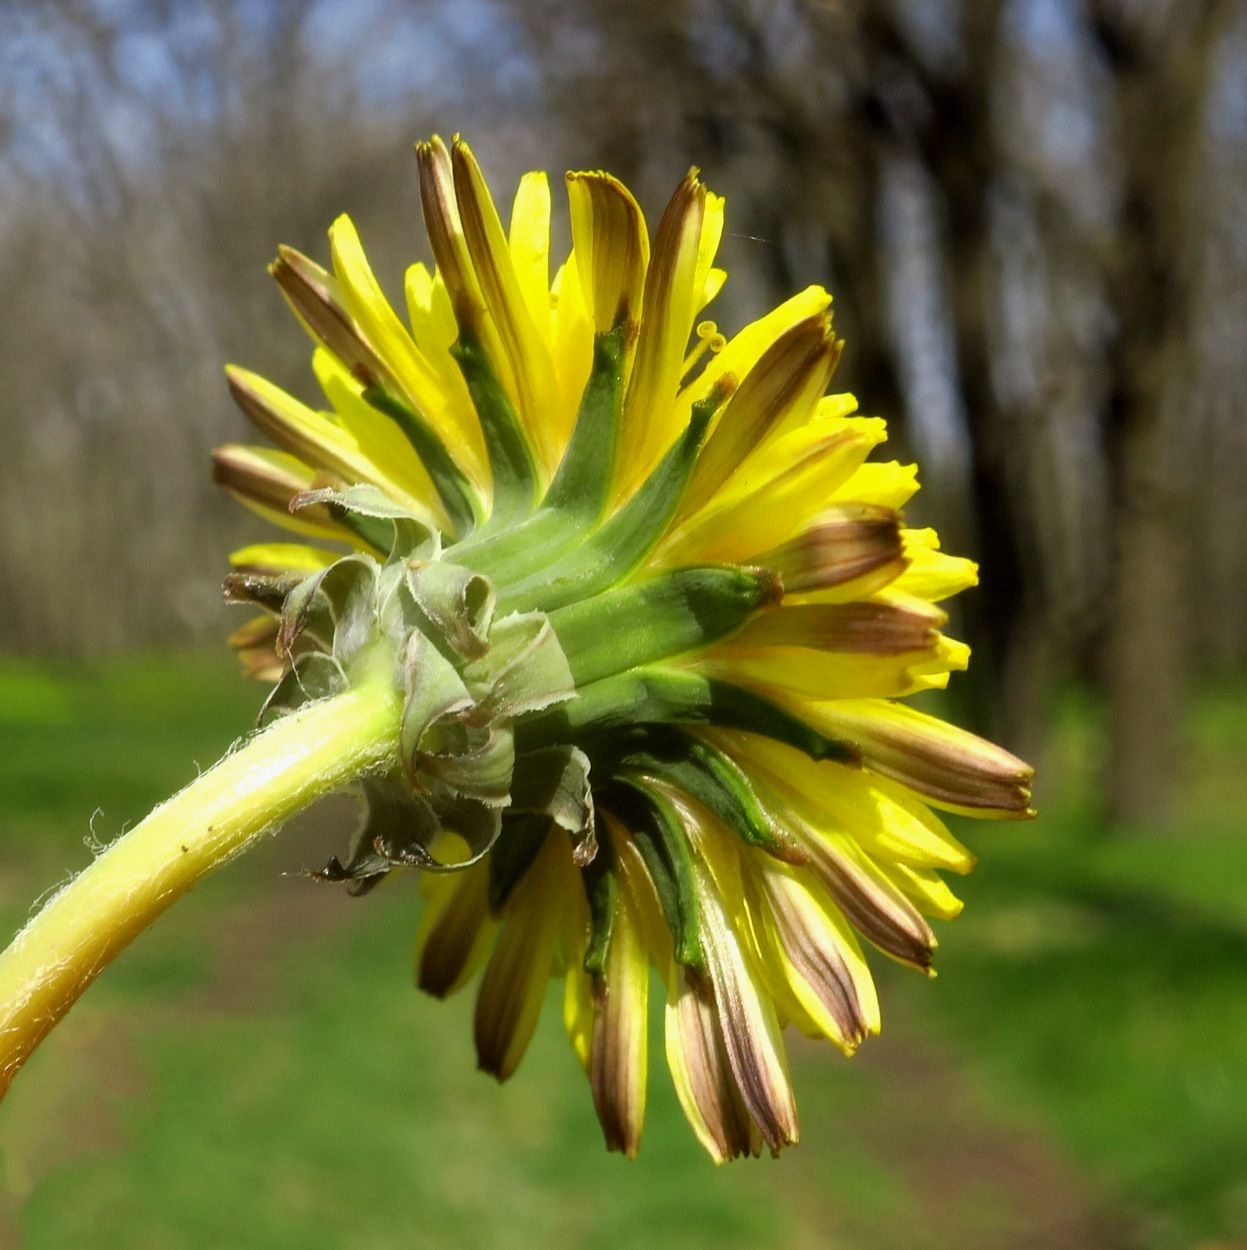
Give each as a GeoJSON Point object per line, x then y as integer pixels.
{"type": "Point", "coordinates": [822, 961]}
{"type": "Point", "coordinates": [512, 989]}
{"type": "Point", "coordinates": [491, 258]}
{"type": "Point", "coordinates": [256, 644]}
{"type": "Point", "coordinates": [751, 1034]}
{"type": "Point", "coordinates": [779, 392]}
{"type": "Point", "coordinates": [446, 237]}
{"type": "Point", "coordinates": [670, 305]}
{"type": "Point", "coordinates": [266, 477]}
{"type": "Point", "coordinates": [618, 1056]}
{"type": "Point", "coordinates": [611, 246]}
{"type": "Point", "coordinates": [861, 628]}
{"type": "Point", "coordinates": [948, 766]}
{"type": "Point", "coordinates": [314, 295]}
{"type": "Point", "coordinates": [870, 902]}
{"type": "Point", "coordinates": [257, 632]}
{"type": "Point", "coordinates": [847, 542]}
{"type": "Point", "coordinates": [454, 932]}
{"type": "Point", "coordinates": [703, 1078]}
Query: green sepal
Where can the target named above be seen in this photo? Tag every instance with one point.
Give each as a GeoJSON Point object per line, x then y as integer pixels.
{"type": "Point", "coordinates": [710, 777]}
{"type": "Point", "coordinates": [376, 532]}
{"type": "Point", "coordinates": [457, 603]}
{"type": "Point", "coordinates": [660, 836]}
{"type": "Point", "coordinates": [398, 829]}
{"type": "Point", "coordinates": [511, 461]}
{"type": "Point", "coordinates": [509, 555]}
{"type": "Point", "coordinates": [658, 618]}
{"type": "Point", "coordinates": [405, 536]}
{"type": "Point", "coordinates": [583, 481]}
{"type": "Point", "coordinates": [312, 675]}
{"type": "Point", "coordinates": [336, 606]}
{"type": "Point", "coordinates": [601, 882]}
{"type": "Point", "coordinates": [629, 536]}
{"type": "Point", "coordinates": [525, 669]}
{"type": "Point", "coordinates": [554, 781]}
{"type": "Point", "coordinates": [463, 505]}
{"type": "Point", "coordinates": [395, 827]}
{"type": "Point", "coordinates": [474, 761]}
{"type": "Point", "coordinates": [517, 847]}
{"type": "Point", "coordinates": [671, 696]}
{"type": "Point", "coordinates": [433, 689]}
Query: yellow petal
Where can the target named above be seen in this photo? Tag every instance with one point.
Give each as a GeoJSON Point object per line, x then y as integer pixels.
{"type": "Point", "coordinates": [707, 249]}
{"type": "Point", "coordinates": [714, 284]}
{"type": "Point", "coordinates": [745, 349]}
{"type": "Point", "coordinates": [370, 308]}
{"type": "Point", "coordinates": [435, 331]}
{"type": "Point", "coordinates": [928, 891]}
{"type": "Point", "coordinates": [455, 929]}
{"type": "Point", "coordinates": [573, 346]}
{"type": "Point", "coordinates": [525, 348]}
{"type": "Point", "coordinates": [821, 959]}
{"type": "Point", "coordinates": [701, 1073]}
{"type": "Point", "coordinates": [513, 986]}
{"type": "Point", "coordinates": [772, 496]}
{"type": "Point", "coordinates": [870, 901]}
{"type": "Point", "coordinates": [670, 306]}
{"type": "Point", "coordinates": [282, 557]}
{"type": "Point", "coordinates": [619, 1059]}
{"type": "Point", "coordinates": [932, 575]}
{"type": "Point", "coordinates": [778, 393]}
{"type": "Point", "coordinates": [379, 439]}
{"type": "Point", "coordinates": [949, 767]}
{"type": "Point", "coordinates": [265, 481]}
{"type": "Point", "coordinates": [888, 483]}
{"type": "Point", "coordinates": [445, 230]}
{"type": "Point", "coordinates": [751, 1036]}
{"type": "Point", "coordinates": [610, 245]}
{"type": "Point", "coordinates": [529, 240]}
{"type": "Point", "coordinates": [314, 437]}
{"type": "Point", "coordinates": [886, 819]}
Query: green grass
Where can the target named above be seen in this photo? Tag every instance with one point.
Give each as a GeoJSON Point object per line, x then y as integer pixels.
{"type": "Point", "coordinates": [256, 1072]}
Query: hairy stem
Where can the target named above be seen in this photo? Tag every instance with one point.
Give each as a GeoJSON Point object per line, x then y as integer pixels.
{"type": "Point", "coordinates": [84, 926]}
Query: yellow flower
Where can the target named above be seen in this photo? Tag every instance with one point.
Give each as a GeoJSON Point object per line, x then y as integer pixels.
{"type": "Point", "coordinates": [650, 608]}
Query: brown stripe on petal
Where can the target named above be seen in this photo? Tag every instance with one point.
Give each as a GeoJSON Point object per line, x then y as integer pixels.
{"type": "Point", "coordinates": [864, 628]}
{"type": "Point", "coordinates": [785, 383]}
{"type": "Point", "coordinates": [261, 479]}
{"type": "Point", "coordinates": [454, 942]}
{"type": "Point", "coordinates": [668, 312]}
{"type": "Point", "coordinates": [287, 430]}
{"type": "Point", "coordinates": [618, 1058]}
{"type": "Point", "coordinates": [314, 294]}
{"type": "Point", "coordinates": [872, 905]}
{"type": "Point", "coordinates": [703, 1078]}
{"type": "Point", "coordinates": [256, 644]}
{"type": "Point", "coordinates": [751, 1035]}
{"type": "Point", "coordinates": [611, 247]}
{"type": "Point", "coordinates": [512, 988]}
{"type": "Point", "coordinates": [814, 951]}
{"type": "Point", "coordinates": [845, 543]}
{"type": "Point", "coordinates": [490, 254]}
{"type": "Point", "coordinates": [257, 632]}
{"type": "Point", "coordinates": [445, 230]}
{"type": "Point", "coordinates": [945, 764]}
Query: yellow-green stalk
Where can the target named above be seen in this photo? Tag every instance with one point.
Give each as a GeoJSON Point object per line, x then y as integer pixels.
{"type": "Point", "coordinates": [249, 794]}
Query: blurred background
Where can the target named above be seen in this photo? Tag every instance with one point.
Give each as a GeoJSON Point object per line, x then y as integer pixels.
{"type": "Point", "coordinates": [1033, 216]}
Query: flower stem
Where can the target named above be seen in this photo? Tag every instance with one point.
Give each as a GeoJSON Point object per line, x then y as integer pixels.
{"type": "Point", "coordinates": [248, 794]}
